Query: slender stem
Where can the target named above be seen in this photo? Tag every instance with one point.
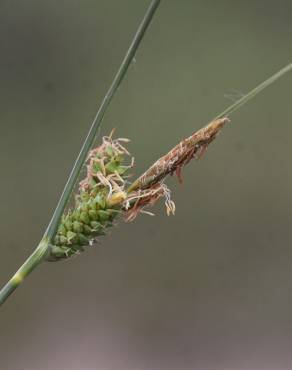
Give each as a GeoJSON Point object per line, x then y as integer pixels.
{"type": "Point", "coordinates": [239, 103]}
{"type": "Point", "coordinates": [37, 256]}
{"type": "Point", "coordinates": [34, 259]}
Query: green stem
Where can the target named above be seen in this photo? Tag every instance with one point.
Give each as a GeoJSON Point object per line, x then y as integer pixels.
{"type": "Point", "coordinates": [37, 256]}
{"type": "Point", "coordinates": [30, 264]}
{"type": "Point", "coordinates": [232, 108]}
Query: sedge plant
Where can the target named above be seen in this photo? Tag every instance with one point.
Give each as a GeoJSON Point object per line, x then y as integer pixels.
{"type": "Point", "coordinates": [106, 194]}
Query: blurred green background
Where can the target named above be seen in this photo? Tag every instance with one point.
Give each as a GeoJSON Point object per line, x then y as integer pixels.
{"type": "Point", "coordinates": [210, 288]}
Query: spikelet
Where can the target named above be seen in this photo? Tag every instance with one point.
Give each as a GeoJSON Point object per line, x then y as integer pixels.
{"type": "Point", "coordinates": [103, 195]}
{"type": "Point", "coordinates": [150, 187]}
{"type": "Point", "coordinates": [98, 202]}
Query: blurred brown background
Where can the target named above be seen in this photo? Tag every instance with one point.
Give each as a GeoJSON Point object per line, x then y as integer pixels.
{"type": "Point", "coordinates": [210, 288]}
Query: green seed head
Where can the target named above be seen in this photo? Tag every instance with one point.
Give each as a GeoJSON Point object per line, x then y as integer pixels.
{"type": "Point", "coordinates": [93, 211]}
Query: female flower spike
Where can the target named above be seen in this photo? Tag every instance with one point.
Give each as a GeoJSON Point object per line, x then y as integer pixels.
{"type": "Point", "coordinates": [98, 201]}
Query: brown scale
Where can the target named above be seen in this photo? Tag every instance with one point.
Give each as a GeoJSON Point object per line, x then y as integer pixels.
{"type": "Point", "coordinates": [149, 187]}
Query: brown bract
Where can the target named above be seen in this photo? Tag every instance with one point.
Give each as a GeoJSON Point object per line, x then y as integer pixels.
{"type": "Point", "coordinates": [149, 187]}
